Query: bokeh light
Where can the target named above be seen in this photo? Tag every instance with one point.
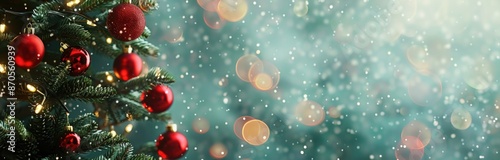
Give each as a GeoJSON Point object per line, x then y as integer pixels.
{"type": "Point", "coordinates": [232, 10]}
{"type": "Point", "coordinates": [300, 8]}
{"type": "Point", "coordinates": [424, 90]}
{"type": "Point", "coordinates": [309, 113]}
{"type": "Point", "coordinates": [409, 148]}
{"type": "Point", "coordinates": [479, 74]}
{"type": "Point", "coordinates": [238, 125]}
{"type": "Point", "coordinates": [264, 75]}
{"type": "Point", "coordinates": [418, 130]}
{"type": "Point", "coordinates": [244, 64]}
{"type": "Point", "coordinates": [255, 132]}
{"type": "Point", "coordinates": [218, 151]}
{"type": "Point", "coordinates": [334, 112]}
{"type": "Point", "coordinates": [213, 20]}
{"type": "Point", "coordinates": [461, 118]}
{"type": "Point", "coordinates": [208, 5]}
{"type": "Point", "coordinates": [201, 125]}
{"type": "Point", "coordinates": [172, 34]}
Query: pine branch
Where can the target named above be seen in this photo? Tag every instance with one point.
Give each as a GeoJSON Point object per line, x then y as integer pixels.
{"type": "Point", "coordinates": [145, 82]}
{"type": "Point", "coordinates": [41, 14]}
{"type": "Point", "coordinates": [146, 33]}
{"type": "Point", "coordinates": [6, 37]}
{"type": "Point", "coordinates": [99, 140]}
{"type": "Point", "coordinates": [143, 47]}
{"type": "Point", "coordinates": [93, 93]}
{"type": "Point", "coordinates": [52, 76]}
{"type": "Point", "coordinates": [141, 157]}
{"type": "Point", "coordinates": [73, 34]}
{"type": "Point", "coordinates": [25, 143]}
{"type": "Point", "coordinates": [103, 47]}
{"type": "Point", "coordinates": [84, 124]}
{"type": "Point", "coordinates": [74, 85]}
{"type": "Point", "coordinates": [120, 152]}
{"type": "Point", "coordinates": [138, 112]}
{"type": "Point", "coordinates": [89, 5]}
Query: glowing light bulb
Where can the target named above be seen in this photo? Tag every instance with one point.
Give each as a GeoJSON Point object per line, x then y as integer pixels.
{"type": "Point", "coordinates": [38, 108]}
{"type": "Point", "coordinates": [31, 88]}
{"type": "Point", "coordinates": [2, 28]}
{"type": "Point", "coordinates": [128, 128]}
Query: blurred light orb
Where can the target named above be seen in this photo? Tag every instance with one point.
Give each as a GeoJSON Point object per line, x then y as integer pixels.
{"type": "Point", "coordinates": [334, 112]}
{"type": "Point", "coordinates": [201, 125]}
{"type": "Point", "coordinates": [264, 75]}
{"type": "Point", "coordinates": [432, 59]}
{"type": "Point", "coordinates": [173, 34]}
{"type": "Point", "coordinates": [218, 151]}
{"type": "Point", "coordinates": [417, 130]}
{"type": "Point", "coordinates": [232, 10]}
{"type": "Point", "coordinates": [213, 20]}
{"type": "Point", "coordinates": [309, 113]}
{"type": "Point", "coordinates": [300, 8]}
{"type": "Point", "coordinates": [409, 148]}
{"type": "Point", "coordinates": [263, 82]}
{"type": "Point", "coordinates": [243, 66]}
{"type": "Point", "coordinates": [255, 132]}
{"type": "Point", "coordinates": [208, 5]}
{"type": "Point", "coordinates": [479, 75]}
{"type": "Point", "coordinates": [238, 125]}
{"type": "Point", "coordinates": [461, 119]}
{"type": "Point", "coordinates": [424, 90]}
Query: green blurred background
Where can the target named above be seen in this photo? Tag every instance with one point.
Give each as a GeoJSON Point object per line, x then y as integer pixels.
{"type": "Point", "coordinates": [374, 66]}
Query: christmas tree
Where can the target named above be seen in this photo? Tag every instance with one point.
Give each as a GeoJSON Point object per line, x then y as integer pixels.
{"type": "Point", "coordinates": [50, 46]}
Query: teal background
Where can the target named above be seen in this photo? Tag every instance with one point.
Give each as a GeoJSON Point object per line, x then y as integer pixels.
{"type": "Point", "coordinates": [341, 54]}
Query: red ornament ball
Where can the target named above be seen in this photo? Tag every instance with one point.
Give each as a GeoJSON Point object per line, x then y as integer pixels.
{"type": "Point", "coordinates": [29, 50]}
{"type": "Point", "coordinates": [126, 22]}
{"type": "Point", "coordinates": [171, 145]}
{"type": "Point", "coordinates": [158, 99]}
{"type": "Point", "coordinates": [127, 66]}
{"type": "Point", "coordinates": [71, 141]}
{"type": "Point", "coordinates": [78, 58]}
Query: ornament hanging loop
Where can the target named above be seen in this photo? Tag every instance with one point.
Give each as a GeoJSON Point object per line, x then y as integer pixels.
{"type": "Point", "coordinates": [172, 127]}
{"type": "Point", "coordinates": [29, 29]}
{"type": "Point", "coordinates": [127, 49]}
{"type": "Point", "coordinates": [64, 46]}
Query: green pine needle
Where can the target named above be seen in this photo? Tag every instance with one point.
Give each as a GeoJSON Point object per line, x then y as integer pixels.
{"type": "Point", "coordinates": [145, 82]}
{"type": "Point", "coordinates": [143, 47]}
{"type": "Point", "coordinates": [89, 5]}
{"type": "Point", "coordinates": [73, 34]}
{"type": "Point", "coordinates": [100, 140]}
{"type": "Point", "coordinates": [94, 93]}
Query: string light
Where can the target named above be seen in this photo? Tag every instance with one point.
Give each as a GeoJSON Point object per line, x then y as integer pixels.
{"type": "Point", "coordinates": [90, 23]}
{"type": "Point", "coordinates": [129, 128]}
{"type": "Point", "coordinates": [31, 88]}
{"type": "Point", "coordinates": [109, 40]}
{"type": "Point", "coordinates": [38, 108]}
{"type": "Point", "coordinates": [3, 68]}
{"type": "Point", "coordinates": [2, 28]}
{"type": "Point", "coordinates": [73, 3]}
{"type": "Point", "coordinates": [113, 133]}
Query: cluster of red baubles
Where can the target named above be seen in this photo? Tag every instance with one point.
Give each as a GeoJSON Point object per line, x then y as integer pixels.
{"type": "Point", "coordinates": [125, 22]}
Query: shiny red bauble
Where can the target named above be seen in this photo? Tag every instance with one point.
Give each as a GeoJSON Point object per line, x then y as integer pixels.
{"type": "Point", "coordinates": [70, 142]}
{"type": "Point", "coordinates": [29, 50]}
{"type": "Point", "coordinates": [171, 145]}
{"type": "Point", "coordinates": [78, 58]}
{"type": "Point", "coordinates": [127, 66]}
{"type": "Point", "coordinates": [126, 22]}
{"type": "Point", "coordinates": [158, 99]}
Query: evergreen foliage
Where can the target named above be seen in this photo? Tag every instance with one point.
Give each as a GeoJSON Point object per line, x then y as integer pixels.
{"type": "Point", "coordinates": [38, 135]}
